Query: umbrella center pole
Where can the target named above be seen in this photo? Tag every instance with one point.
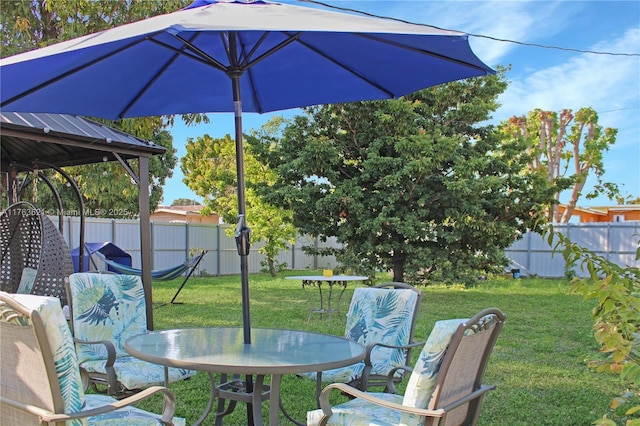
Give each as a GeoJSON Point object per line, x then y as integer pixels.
{"type": "Point", "coordinates": [242, 233]}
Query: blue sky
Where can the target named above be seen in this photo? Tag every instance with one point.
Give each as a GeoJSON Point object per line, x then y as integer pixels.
{"type": "Point", "coordinates": [545, 78]}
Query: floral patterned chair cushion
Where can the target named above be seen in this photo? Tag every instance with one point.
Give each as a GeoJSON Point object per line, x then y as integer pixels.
{"type": "Point", "coordinates": [357, 412]}
{"type": "Point", "coordinates": [376, 315]}
{"type": "Point", "coordinates": [64, 354]}
{"type": "Point", "coordinates": [67, 368]}
{"type": "Point", "coordinates": [112, 308]}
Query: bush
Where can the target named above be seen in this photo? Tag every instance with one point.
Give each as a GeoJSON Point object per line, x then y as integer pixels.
{"type": "Point", "coordinates": [616, 291]}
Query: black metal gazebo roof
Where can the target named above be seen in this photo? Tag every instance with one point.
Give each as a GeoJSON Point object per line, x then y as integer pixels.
{"type": "Point", "coordinates": [65, 140]}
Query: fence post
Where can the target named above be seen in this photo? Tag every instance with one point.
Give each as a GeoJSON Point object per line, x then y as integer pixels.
{"type": "Point", "coordinates": [608, 243]}
{"type": "Point", "coordinates": [528, 234]}
{"type": "Point", "coordinates": [186, 240]}
{"type": "Point", "coordinates": [218, 255]}
{"type": "Point", "coordinates": [152, 242]}
{"type": "Point", "coordinates": [293, 256]}
{"type": "Point", "coordinates": [70, 232]}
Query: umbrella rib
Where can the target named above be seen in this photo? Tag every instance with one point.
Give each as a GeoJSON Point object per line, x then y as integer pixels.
{"type": "Point", "coordinates": [245, 66]}
{"type": "Point", "coordinates": [344, 67]}
{"type": "Point", "coordinates": [154, 78]}
{"type": "Point", "coordinates": [200, 55]}
{"type": "Point", "coordinates": [422, 51]}
{"type": "Point", "coordinates": [245, 63]}
{"type": "Point", "coordinates": [70, 72]}
{"type": "Point", "coordinates": [291, 38]}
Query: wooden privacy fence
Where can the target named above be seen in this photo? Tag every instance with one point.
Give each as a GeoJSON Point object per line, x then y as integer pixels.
{"type": "Point", "coordinates": [173, 243]}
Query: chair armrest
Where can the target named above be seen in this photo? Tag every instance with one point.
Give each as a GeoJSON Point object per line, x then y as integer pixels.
{"type": "Point", "coordinates": [370, 347]}
{"type": "Point", "coordinates": [368, 365]}
{"type": "Point", "coordinates": [325, 405]}
{"type": "Point", "coordinates": [391, 386]}
{"type": "Point", "coordinates": [479, 393]}
{"type": "Point", "coordinates": [109, 346]}
{"type": "Point", "coordinates": [168, 410]}
{"type": "Point", "coordinates": [112, 378]}
{"type": "Point", "coordinates": [366, 396]}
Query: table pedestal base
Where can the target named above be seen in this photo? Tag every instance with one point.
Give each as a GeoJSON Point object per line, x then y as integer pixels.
{"type": "Point", "coordinates": [231, 392]}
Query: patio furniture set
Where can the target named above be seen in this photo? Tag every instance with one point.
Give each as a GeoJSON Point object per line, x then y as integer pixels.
{"type": "Point", "coordinates": [45, 370]}
{"type": "Point", "coordinates": [50, 360]}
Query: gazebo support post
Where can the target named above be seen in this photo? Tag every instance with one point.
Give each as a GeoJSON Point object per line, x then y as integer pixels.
{"type": "Point", "coordinates": [145, 235]}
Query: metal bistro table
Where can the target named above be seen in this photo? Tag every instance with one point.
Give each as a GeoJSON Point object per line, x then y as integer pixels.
{"type": "Point", "coordinates": [318, 281]}
{"type": "Point", "coordinates": [272, 352]}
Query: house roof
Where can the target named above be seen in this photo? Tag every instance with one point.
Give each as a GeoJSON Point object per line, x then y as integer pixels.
{"type": "Point", "coordinates": [604, 210]}
{"type": "Point", "coordinates": [180, 210]}
{"type": "Point", "coordinates": [618, 208]}
{"type": "Point", "coordinates": [64, 140]}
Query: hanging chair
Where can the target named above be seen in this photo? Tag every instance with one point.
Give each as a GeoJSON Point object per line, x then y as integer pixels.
{"type": "Point", "coordinates": [34, 257]}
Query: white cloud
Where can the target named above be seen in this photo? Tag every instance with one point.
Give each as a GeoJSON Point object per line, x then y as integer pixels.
{"type": "Point", "coordinates": [510, 20]}
{"type": "Point", "coordinates": [603, 82]}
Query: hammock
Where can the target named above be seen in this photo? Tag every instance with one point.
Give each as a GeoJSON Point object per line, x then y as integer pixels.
{"type": "Point", "coordinates": [161, 274]}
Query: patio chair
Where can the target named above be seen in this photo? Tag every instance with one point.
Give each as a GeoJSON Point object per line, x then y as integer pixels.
{"type": "Point", "coordinates": [40, 378]}
{"type": "Point", "coordinates": [445, 387]}
{"type": "Point", "coordinates": [34, 257]}
{"type": "Point", "coordinates": [382, 318]}
{"type": "Point", "coordinates": [106, 310]}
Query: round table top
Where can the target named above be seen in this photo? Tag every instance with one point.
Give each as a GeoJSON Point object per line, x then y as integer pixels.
{"type": "Point", "coordinates": [331, 278]}
{"type": "Point", "coordinates": [222, 350]}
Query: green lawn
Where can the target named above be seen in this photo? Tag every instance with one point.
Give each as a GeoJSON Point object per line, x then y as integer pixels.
{"type": "Point", "coordinates": [538, 363]}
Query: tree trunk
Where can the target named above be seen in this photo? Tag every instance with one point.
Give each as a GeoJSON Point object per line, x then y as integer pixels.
{"type": "Point", "coordinates": [272, 266]}
{"type": "Point", "coordinates": [399, 260]}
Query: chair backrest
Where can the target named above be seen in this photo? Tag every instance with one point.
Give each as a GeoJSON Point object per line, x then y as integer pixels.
{"type": "Point", "coordinates": [106, 307]}
{"type": "Point", "coordinates": [384, 314]}
{"type": "Point", "coordinates": [34, 257]}
{"type": "Point", "coordinates": [452, 365]}
{"type": "Point", "coordinates": [39, 365]}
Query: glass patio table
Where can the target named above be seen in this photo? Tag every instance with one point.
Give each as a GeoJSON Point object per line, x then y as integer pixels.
{"type": "Point", "coordinates": [273, 352]}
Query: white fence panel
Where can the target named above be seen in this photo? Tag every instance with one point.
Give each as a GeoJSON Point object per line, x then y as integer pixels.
{"type": "Point", "coordinates": [206, 237]}
{"type": "Point", "coordinates": [616, 241]}
{"type": "Point", "coordinates": [173, 243]}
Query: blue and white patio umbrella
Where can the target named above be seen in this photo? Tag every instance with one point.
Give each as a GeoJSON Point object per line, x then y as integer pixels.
{"type": "Point", "coordinates": [235, 56]}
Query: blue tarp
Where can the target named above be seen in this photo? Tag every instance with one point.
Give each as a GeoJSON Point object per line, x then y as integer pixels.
{"type": "Point", "coordinates": [108, 249]}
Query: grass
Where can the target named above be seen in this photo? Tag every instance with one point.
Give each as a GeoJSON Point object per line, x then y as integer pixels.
{"type": "Point", "coordinates": [538, 364]}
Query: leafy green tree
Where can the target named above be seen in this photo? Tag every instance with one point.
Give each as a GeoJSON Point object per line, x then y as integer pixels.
{"type": "Point", "coordinates": [413, 185]}
{"type": "Point", "coordinates": [567, 147]}
{"type": "Point", "coordinates": [210, 171]}
{"type": "Point", "coordinates": [620, 199]}
{"type": "Point", "coordinates": [31, 24]}
{"type": "Point", "coordinates": [185, 202]}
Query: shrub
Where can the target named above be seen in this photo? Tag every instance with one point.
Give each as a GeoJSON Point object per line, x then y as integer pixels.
{"type": "Point", "coordinates": [616, 316]}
